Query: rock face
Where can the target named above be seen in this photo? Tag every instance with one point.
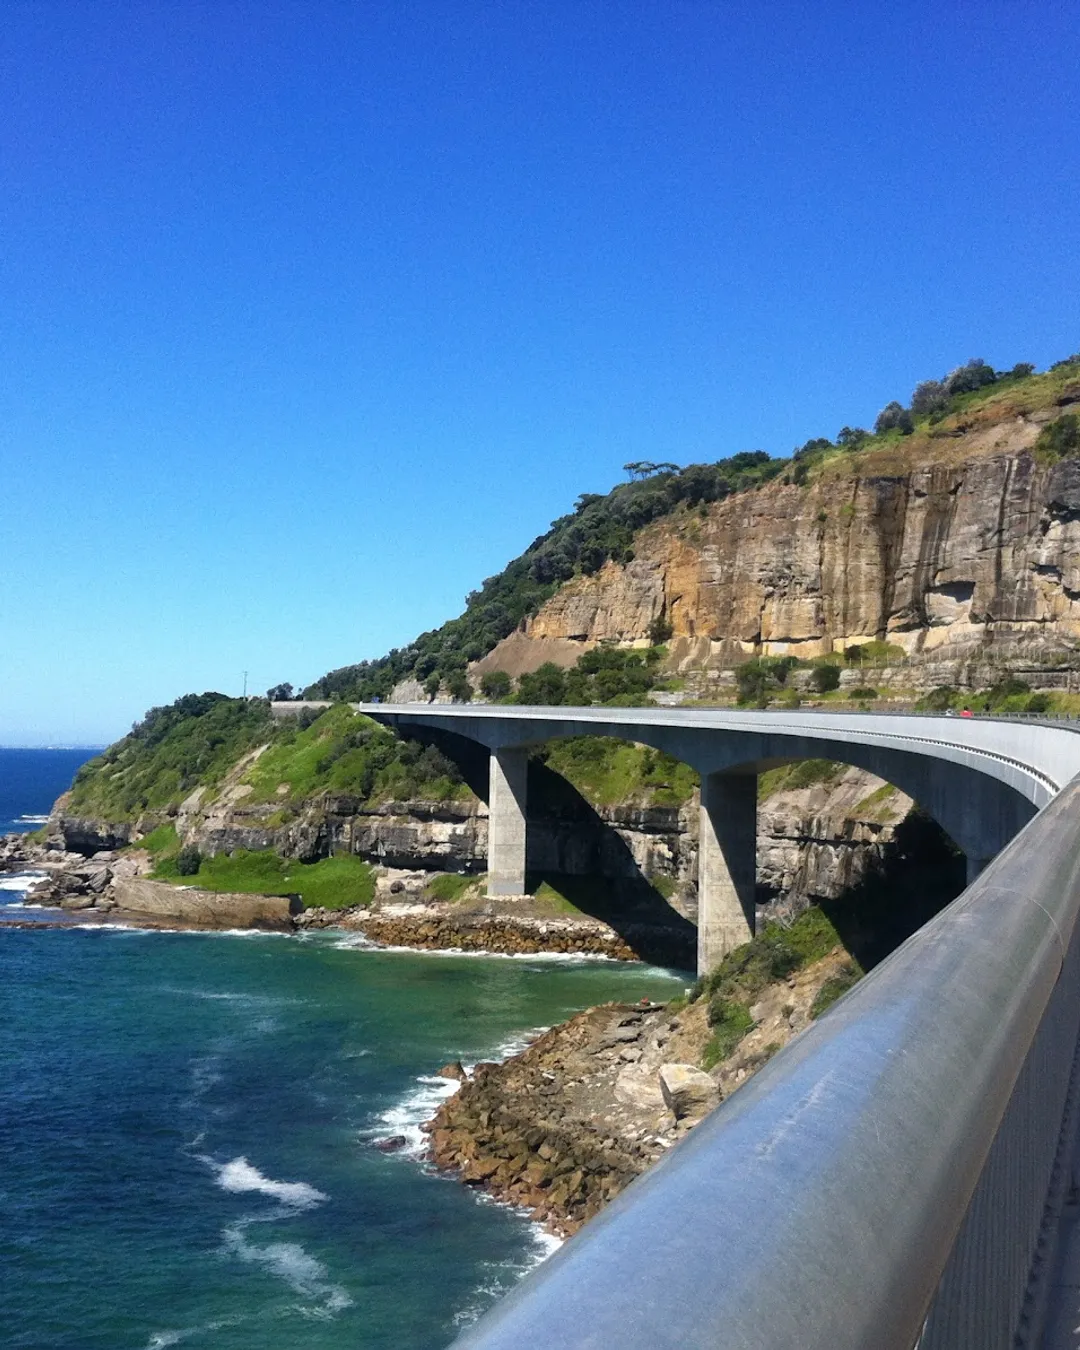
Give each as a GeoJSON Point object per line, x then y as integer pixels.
{"type": "Point", "coordinates": [969, 558]}
{"type": "Point", "coordinates": [813, 843]}
{"type": "Point", "coordinates": [205, 909]}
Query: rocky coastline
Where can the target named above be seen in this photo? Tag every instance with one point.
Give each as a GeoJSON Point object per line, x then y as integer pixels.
{"type": "Point", "coordinates": [566, 1125]}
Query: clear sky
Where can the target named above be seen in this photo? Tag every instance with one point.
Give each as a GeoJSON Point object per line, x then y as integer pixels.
{"type": "Point", "coordinates": [315, 314]}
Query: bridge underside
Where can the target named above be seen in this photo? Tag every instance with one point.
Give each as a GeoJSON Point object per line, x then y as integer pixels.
{"type": "Point", "coordinates": [980, 813]}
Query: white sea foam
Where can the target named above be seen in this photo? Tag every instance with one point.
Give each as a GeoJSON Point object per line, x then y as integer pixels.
{"type": "Point", "coordinates": [358, 942]}
{"type": "Point", "coordinates": [244, 1000]}
{"type": "Point", "coordinates": [429, 1092]}
{"type": "Point", "coordinates": [291, 1263]}
{"type": "Point", "coordinates": [500, 1276]}
{"type": "Point", "coordinates": [239, 1177]}
{"type": "Point", "coordinates": [417, 1106]}
{"type": "Point", "coordinates": [19, 881]}
{"type": "Point", "coordinates": [31, 820]}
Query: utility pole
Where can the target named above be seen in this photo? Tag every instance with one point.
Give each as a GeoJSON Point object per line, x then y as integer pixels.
{"type": "Point", "coordinates": [245, 683]}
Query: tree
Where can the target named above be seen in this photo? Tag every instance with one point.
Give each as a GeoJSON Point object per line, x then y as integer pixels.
{"type": "Point", "coordinates": [825, 678]}
{"type": "Point", "coordinates": [894, 417]}
{"type": "Point", "coordinates": [851, 437]}
{"type": "Point", "coordinates": [495, 684]}
{"type": "Point", "coordinates": [929, 397]}
{"type": "Point", "coordinates": [460, 690]}
{"type": "Point", "coordinates": [660, 630]}
{"type": "Point", "coordinates": [546, 686]}
{"type": "Point", "coordinates": [280, 693]}
{"type": "Point", "coordinates": [972, 375]}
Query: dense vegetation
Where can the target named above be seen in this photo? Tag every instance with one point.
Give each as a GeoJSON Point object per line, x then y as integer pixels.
{"type": "Point", "coordinates": [607, 771]}
{"type": "Point", "coordinates": [201, 737]}
{"type": "Point", "coordinates": [1009, 695]}
{"type": "Point", "coordinates": [610, 675]}
{"type": "Point", "coordinates": [340, 751]}
{"type": "Point", "coordinates": [192, 743]}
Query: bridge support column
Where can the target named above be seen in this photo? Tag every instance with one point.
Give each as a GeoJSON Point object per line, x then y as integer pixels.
{"type": "Point", "coordinates": [727, 865]}
{"type": "Point", "coordinates": [507, 822]}
{"type": "Point", "coordinates": [975, 866]}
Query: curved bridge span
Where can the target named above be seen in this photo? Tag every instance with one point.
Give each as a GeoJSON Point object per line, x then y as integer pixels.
{"type": "Point", "coordinates": [905, 1172]}
{"type": "Point", "coordinates": [982, 780]}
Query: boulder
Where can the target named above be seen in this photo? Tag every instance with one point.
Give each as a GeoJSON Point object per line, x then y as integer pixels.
{"type": "Point", "coordinates": [687, 1092]}
{"type": "Point", "coordinates": [455, 1069]}
{"type": "Point", "coordinates": [393, 1143]}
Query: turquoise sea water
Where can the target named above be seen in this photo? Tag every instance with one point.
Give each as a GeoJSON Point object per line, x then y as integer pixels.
{"type": "Point", "coordinates": [186, 1126]}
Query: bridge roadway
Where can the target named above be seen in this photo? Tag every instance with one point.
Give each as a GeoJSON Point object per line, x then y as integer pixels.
{"type": "Point", "coordinates": [982, 780]}
{"type": "Point", "coordinates": [905, 1172]}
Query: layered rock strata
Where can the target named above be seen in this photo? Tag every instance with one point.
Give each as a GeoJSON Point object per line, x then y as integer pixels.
{"type": "Point", "coordinates": [962, 551]}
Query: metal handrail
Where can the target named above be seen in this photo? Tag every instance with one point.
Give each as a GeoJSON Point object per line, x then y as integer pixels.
{"type": "Point", "coordinates": [885, 1178]}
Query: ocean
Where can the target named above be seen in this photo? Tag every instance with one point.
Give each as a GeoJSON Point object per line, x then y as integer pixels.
{"type": "Point", "coordinates": [187, 1125]}
{"type": "Point", "coordinates": [31, 780]}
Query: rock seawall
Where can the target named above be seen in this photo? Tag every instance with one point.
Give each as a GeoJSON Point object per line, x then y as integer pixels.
{"type": "Point", "coordinates": [439, 928]}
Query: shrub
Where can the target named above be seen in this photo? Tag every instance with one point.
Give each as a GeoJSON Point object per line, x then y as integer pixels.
{"type": "Point", "coordinates": [825, 678]}
{"type": "Point", "coordinates": [495, 684]}
{"type": "Point", "coordinates": [761, 675]}
{"type": "Point", "coordinates": [834, 988]}
{"type": "Point", "coordinates": [730, 1022]}
{"type": "Point", "coordinates": [660, 630]}
{"type": "Point", "coordinates": [188, 861]}
{"type": "Point", "coordinates": [1060, 439]}
{"type": "Point", "coordinates": [863, 692]}
{"type": "Point", "coordinates": [937, 700]}
{"type": "Point", "coordinates": [1038, 703]}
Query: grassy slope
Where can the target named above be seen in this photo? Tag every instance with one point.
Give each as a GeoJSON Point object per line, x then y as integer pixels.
{"type": "Point", "coordinates": [200, 743]}
{"type": "Point", "coordinates": [607, 771]}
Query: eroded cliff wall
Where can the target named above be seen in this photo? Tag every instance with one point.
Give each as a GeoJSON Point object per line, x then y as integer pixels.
{"type": "Point", "coordinates": [970, 561]}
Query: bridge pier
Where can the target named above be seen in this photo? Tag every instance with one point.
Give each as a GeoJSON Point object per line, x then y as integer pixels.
{"type": "Point", "coordinates": [507, 821]}
{"type": "Point", "coordinates": [975, 865]}
{"type": "Point", "coordinates": [727, 865]}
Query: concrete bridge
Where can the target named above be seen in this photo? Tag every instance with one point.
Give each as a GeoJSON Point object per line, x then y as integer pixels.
{"type": "Point", "coordinates": [906, 1173]}
{"type": "Point", "coordinates": [982, 780]}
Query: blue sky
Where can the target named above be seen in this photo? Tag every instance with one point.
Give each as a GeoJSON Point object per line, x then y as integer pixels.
{"type": "Point", "coordinates": [314, 315]}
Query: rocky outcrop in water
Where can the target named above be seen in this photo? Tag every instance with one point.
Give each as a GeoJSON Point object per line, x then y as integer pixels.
{"type": "Point", "coordinates": [569, 1123]}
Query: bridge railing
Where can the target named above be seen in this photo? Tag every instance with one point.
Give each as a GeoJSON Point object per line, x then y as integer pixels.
{"type": "Point", "coordinates": [891, 1179]}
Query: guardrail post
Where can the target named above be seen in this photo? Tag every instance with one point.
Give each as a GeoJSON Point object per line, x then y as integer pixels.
{"type": "Point", "coordinates": [507, 822]}
{"type": "Point", "coordinates": [727, 865]}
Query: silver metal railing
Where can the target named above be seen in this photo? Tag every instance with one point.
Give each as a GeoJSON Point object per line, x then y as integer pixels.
{"type": "Point", "coordinates": [892, 1178]}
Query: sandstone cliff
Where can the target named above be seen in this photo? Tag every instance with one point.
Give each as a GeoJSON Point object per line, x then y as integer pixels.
{"type": "Point", "coordinates": [961, 547]}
